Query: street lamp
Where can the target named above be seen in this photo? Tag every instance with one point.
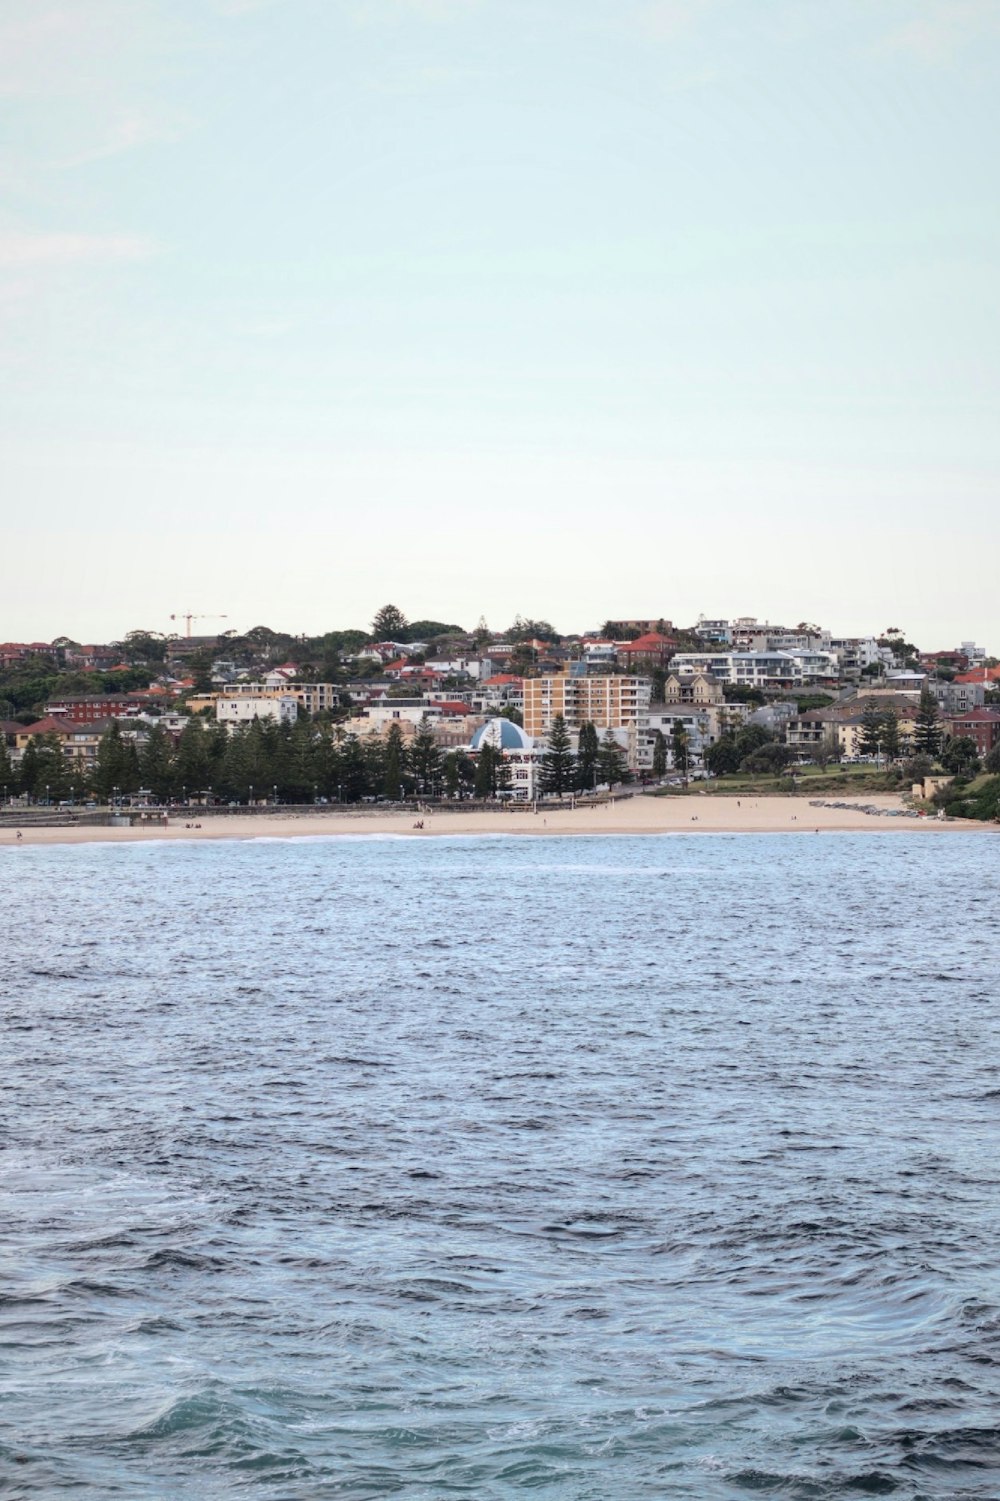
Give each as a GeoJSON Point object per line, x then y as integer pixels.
{"type": "Point", "coordinates": [274, 791]}
{"type": "Point", "coordinates": [250, 804]}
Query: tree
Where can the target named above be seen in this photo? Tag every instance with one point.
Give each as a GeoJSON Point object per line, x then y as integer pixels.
{"type": "Point", "coordinates": [659, 754]}
{"type": "Point", "coordinates": [486, 770]}
{"type": "Point", "coordinates": [611, 762]}
{"type": "Point", "coordinates": [530, 630]}
{"type": "Point", "coordinates": [558, 760]}
{"type": "Point", "coordinates": [586, 757]}
{"type": "Point", "coordinates": [916, 768]}
{"type": "Point", "coordinates": [452, 775]}
{"type": "Point", "coordinates": [723, 757]}
{"type": "Point", "coordinates": [961, 756]}
{"type": "Point", "coordinates": [191, 760]}
{"type": "Point", "coordinates": [425, 757]}
{"type": "Point", "coordinates": [870, 735]}
{"type": "Point", "coordinates": [395, 755]}
{"type": "Point", "coordinates": [389, 624]}
{"type": "Point", "coordinates": [890, 734]}
{"type": "Point", "coordinates": [522, 659]}
{"type": "Point", "coordinates": [8, 781]}
{"type": "Point", "coordinates": [680, 747]}
{"type": "Point", "coordinates": [117, 764]}
{"type": "Point", "coordinates": [156, 763]}
{"type": "Point", "coordinates": [768, 759]}
{"type": "Point", "coordinates": [44, 772]}
{"type": "Point", "coordinates": [927, 730]}
{"type": "Point", "coordinates": [144, 646]}
{"type": "Point", "coordinates": [992, 761]}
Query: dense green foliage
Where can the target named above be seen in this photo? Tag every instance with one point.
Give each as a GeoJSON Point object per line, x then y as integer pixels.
{"type": "Point", "coordinates": [731, 750]}
{"type": "Point", "coordinates": [293, 763]}
{"type": "Point", "coordinates": [979, 799]}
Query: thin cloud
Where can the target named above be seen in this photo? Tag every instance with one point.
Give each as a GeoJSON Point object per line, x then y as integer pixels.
{"type": "Point", "coordinates": [129, 133]}
{"type": "Point", "coordinates": [366, 11]}
{"type": "Point", "coordinates": [938, 30]}
{"type": "Point", "coordinates": [24, 249]}
{"type": "Point", "coordinates": [665, 19]}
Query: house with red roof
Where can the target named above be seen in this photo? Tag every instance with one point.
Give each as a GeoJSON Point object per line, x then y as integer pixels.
{"type": "Point", "coordinates": [645, 653]}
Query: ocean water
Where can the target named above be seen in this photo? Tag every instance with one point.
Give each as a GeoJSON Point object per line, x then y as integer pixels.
{"type": "Point", "coordinates": [592, 1168]}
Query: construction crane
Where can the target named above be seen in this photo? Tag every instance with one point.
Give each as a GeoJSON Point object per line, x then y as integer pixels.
{"type": "Point", "coordinates": [188, 615]}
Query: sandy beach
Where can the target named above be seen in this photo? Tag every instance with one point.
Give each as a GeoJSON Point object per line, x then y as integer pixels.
{"type": "Point", "coordinates": [691, 814]}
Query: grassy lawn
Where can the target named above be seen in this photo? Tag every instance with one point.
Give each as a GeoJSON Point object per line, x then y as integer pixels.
{"type": "Point", "coordinates": [809, 781]}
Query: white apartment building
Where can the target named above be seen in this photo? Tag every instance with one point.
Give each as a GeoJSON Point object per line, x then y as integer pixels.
{"type": "Point", "coordinates": [759, 669]}
{"type": "Point", "coordinates": [312, 697]}
{"type": "Point", "coordinates": [855, 653]}
{"type": "Point", "coordinates": [241, 708]}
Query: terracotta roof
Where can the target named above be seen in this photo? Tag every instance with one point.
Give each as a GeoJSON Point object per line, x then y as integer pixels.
{"type": "Point", "coordinates": [47, 726]}
{"type": "Point", "coordinates": [653, 641]}
{"type": "Point", "coordinates": [979, 675]}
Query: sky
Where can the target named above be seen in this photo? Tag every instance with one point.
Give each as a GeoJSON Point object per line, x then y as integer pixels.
{"type": "Point", "coordinates": [566, 308]}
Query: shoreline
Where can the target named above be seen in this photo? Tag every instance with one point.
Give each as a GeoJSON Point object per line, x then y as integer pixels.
{"type": "Point", "coordinates": [689, 814]}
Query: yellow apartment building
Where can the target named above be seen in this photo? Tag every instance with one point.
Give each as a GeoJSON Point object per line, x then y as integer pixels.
{"type": "Point", "coordinates": [606, 702]}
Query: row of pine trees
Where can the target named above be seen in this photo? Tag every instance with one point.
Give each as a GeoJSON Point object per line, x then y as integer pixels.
{"type": "Point", "coordinates": [297, 763]}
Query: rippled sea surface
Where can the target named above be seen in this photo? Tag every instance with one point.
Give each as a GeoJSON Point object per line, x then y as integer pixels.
{"type": "Point", "coordinates": [602, 1168]}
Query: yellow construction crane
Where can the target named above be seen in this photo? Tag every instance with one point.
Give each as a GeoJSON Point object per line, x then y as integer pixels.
{"type": "Point", "coordinates": [188, 615]}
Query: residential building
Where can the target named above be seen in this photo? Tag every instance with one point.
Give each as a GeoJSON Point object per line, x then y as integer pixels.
{"type": "Point", "coordinates": [241, 708]}
{"type": "Point", "coordinates": [645, 653]}
{"type": "Point", "coordinates": [957, 697]}
{"type": "Point", "coordinates": [760, 669]}
{"type": "Point", "coordinates": [313, 698]}
{"type": "Point", "coordinates": [86, 708]}
{"type": "Point", "coordinates": [605, 702]}
{"type": "Point", "coordinates": [692, 688]}
{"type": "Point", "coordinates": [980, 725]}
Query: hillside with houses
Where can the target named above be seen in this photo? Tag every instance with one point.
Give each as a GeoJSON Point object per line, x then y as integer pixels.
{"type": "Point", "coordinates": [430, 710]}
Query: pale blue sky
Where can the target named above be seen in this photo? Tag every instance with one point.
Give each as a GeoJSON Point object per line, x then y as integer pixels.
{"type": "Point", "coordinates": [573, 309]}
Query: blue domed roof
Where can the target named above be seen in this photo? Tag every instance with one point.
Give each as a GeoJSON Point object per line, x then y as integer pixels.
{"type": "Point", "coordinates": [502, 732]}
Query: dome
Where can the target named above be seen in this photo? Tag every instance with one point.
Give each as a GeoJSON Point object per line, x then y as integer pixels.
{"type": "Point", "coordinates": [503, 733]}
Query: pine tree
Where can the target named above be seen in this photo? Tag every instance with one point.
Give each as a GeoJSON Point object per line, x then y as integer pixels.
{"type": "Point", "coordinates": [390, 624]}
{"type": "Point", "coordinates": [890, 734]}
{"type": "Point", "coordinates": [870, 734]}
{"type": "Point", "coordinates": [558, 760]}
{"type": "Point", "coordinates": [392, 773]}
{"type": "Point", "coordinates": [353, 771]}
{"type": "Point", "coordinates": [109, 768]}
{"type": "Point", "coordinates": [156, 763]}
{"type": "Point", "coordinates": [586, 757]}
{"type": "Point", "coordinates": [927, 730]}
{"type": "Point", "coordinates": [191, 759]}
{"type": "Point", "coordinates": [28, 768]}
{"type": "Point", "coordinates": [485, 782]}
{"type": "Point", "coordinates": [659, 754]}
{"type": "Point", "coordinates": [611, 761]}
{"type": "Point", "coordinates": [425, 757]}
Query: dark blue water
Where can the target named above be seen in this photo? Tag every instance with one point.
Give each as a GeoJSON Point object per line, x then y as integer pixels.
{"type": "Point", "coordinates": [598, 1168]}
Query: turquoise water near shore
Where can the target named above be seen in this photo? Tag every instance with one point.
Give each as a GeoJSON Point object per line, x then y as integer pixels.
{"type": "Point", "coordinates": [354, 1168]}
